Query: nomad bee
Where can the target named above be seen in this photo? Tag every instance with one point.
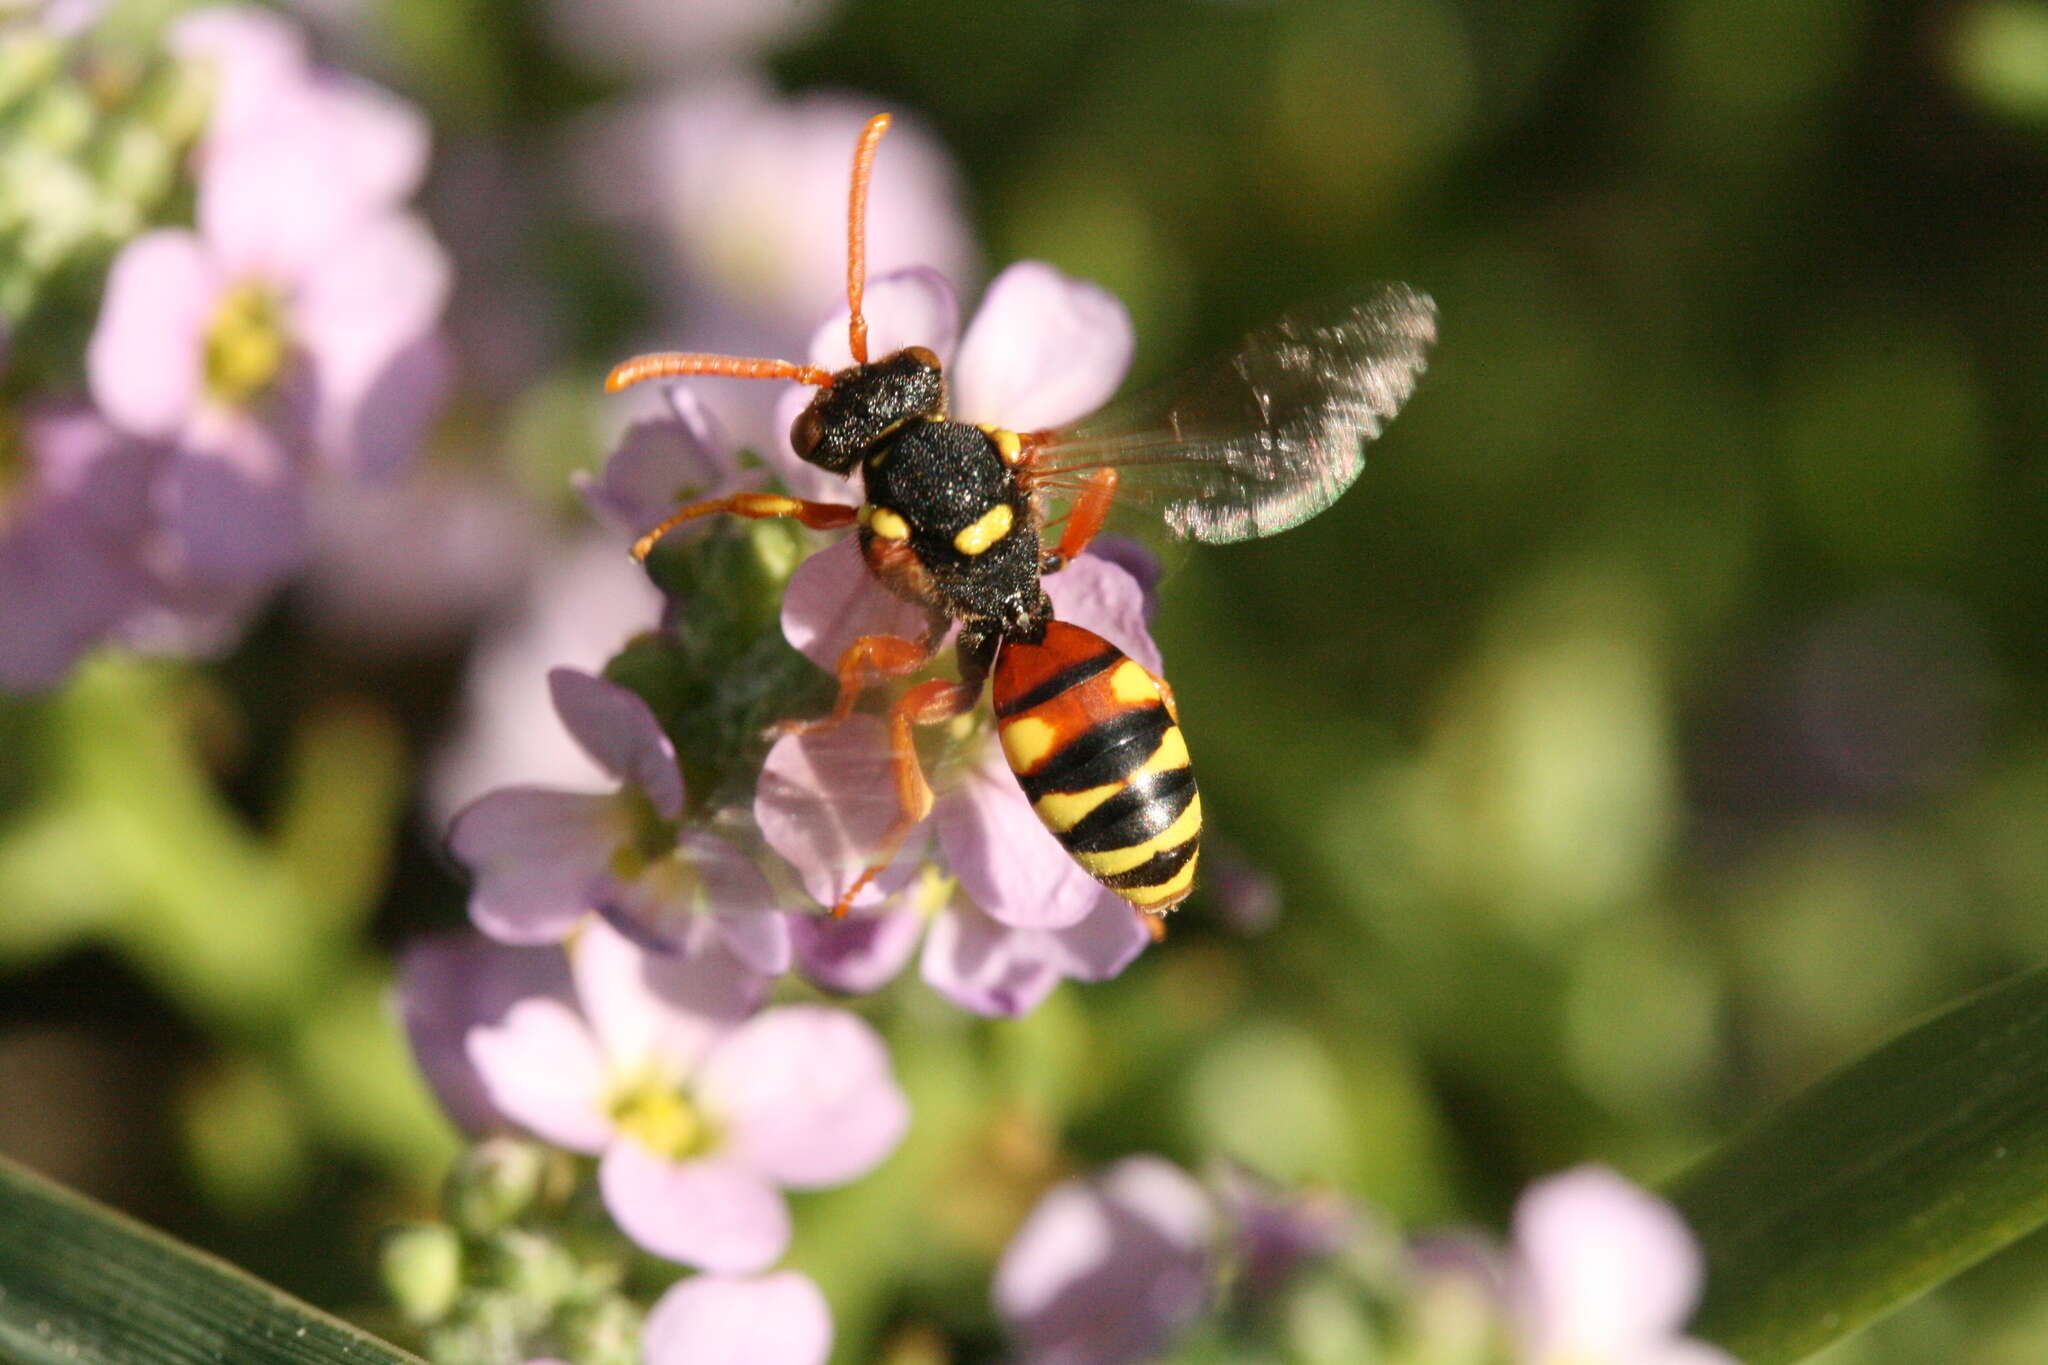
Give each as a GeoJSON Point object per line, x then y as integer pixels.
{"type": "Point", "coordinates": [956, 516]}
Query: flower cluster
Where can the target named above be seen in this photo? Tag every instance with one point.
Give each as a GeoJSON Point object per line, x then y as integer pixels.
{"type": "Point", "coordinates": [1009, 914]}
{"type": "Point", "coordinates": [290, 333]}
{"type": "Point", "coordinates": [1123, 1266]}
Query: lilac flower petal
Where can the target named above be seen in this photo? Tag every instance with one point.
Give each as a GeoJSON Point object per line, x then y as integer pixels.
{"type": "Point", "coordinates": [283, 191]}
{"type": "Point", "coordinates": [915, 307]}
{"type": "Point", "coordinates": [535, 856]}
{"type": "Point", "coordinates": [806, 1095]}
{"type": "Point", "coordinates": [101, 475]}
{"type": "Point", "coordinates": [832, 600]}
{"type": "Point", "coordinates": [660, 464]}
{"type": "Point", "coordinates": [986, 967]}
{"type": "Point", "coordinates": [713, 1214]}
{"type": "Point", "coordinates": [449, 984]}
{"type": "Point", "coordinates": [256, 58]}
{"type": "Point", "coordinates": [1003, 854]}
{"type": "Point", "coordinates": [144, 361]}
{"type": "Point", "coordinates": [658, 1014]}
{"type": "Point", "coordinates": [365, 318]}
{"type": "Point", "coordinates": [823, 802]}
{"type": "Point", "coordinates": [858, 954]}
{"type": "Point", "coordinates": [61, 592]}
{"type": "Point", "coordinates": [1108, 940]}
{"type": "Point", "coordinates": [1604, 1270]}
{"type": "Point", "coordinates": [232, 502]}
{"type": "Point", "coordinates": [617, 729]}
{"type": "Point", "coordinates": [1109, 1270]}
{"type": "Point", "coordinates": [707, 892]}
{"type": "Point", "coordinates": [541, 1068]}
{"type": "Point", "coordinates": [778, 1319]}
{"type": "Point", "coordinates": [1099, 595]}
{"type": "Point", "coordinates": [585, 600]}
{"type": "Point", "coordinates": [1044, 350]}
{"type": "Point", "coordinates": [801, 478]}
{"type": "Point", "coordinates": [1278, 1231]}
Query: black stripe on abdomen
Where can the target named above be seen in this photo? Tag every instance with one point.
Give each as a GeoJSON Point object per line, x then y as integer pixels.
{"type": "Point", "coordinates": [1073, 675]}
{"type": "Point", "coordinates": [1108, 751]}
{"type": "Point", "coordinates": [1138, 812]}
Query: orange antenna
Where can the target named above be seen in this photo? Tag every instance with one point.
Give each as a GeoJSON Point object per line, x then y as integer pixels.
{"type": "Point", "coordinates": [857, 233]}
{"type": "Point", "coordinates": [668, 364]}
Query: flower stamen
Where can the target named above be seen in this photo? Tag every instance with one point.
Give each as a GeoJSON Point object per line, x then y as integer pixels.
{"type": "Point", "coordinates": [246, 344]}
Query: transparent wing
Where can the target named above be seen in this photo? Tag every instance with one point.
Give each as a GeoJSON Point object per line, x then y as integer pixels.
{"type": "Point", "coordinates": [1267, 436]}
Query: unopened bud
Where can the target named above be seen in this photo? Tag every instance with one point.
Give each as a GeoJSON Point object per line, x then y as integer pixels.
{"type": "Point", "coordinates": [421, 1265]}
{"type": "Point", "coordinates": [494, 1184]}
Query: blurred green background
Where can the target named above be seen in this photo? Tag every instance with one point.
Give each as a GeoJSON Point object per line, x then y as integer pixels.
{"type": "Point", "coordinates": [1656, 725]}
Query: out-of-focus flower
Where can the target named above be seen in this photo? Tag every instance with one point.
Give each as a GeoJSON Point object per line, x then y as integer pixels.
{"type": "Point", "coordinates": [1110, 1269]}
{"type": "Point", "coordinates": [680, 455]}
{"type": "Point", "coordinates": [699, 1119]}
{"type": "Point", "coordinates": [749, 191]}
{"type": "Point", "coordinates": [71, 542]}
{"type": "Point", "coordinates": [1602, 1273]}
{"type": "Point", "coordinates": [650, 37]}
{"type": "Point", "coordinates": [451, 983]}
{"type": "Point", "coordinates": [412, 566]}
{"type": "Point", "coordinates": [583, 601]}
{"type": "Point", "coordinates": [778, 1319]}
{"type": "Point", "coordinates": [296, 324]}
{"type": "Point", "coordinates": [544, 859]}
{"type": "Point", "coordinates": [1275, 1231]}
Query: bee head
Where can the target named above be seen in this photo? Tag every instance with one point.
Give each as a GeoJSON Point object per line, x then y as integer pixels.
{"type": "Point", "coordinates": [864, 403]}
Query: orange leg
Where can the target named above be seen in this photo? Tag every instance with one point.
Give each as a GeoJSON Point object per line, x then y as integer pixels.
{"type": "Point", "coordinates": [819, 516]}
{"type": "Point", "coordinates": [870, 659]}
{"type": "Point", "coordinates": [1154, 922]}
{"type": "Point", "coordinates": [929, 703]}
{"type": "Point", "coordinates": [1084, 519]}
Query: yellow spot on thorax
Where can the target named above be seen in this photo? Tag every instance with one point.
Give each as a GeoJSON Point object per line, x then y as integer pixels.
{"type": "Point", "coordinates": [246, 344]}
{"type": "Point", "coordinates": [884, 523]}
{"type": "Point", "coordinates": [1009, 445]}
{"type": "Point", "coordinates": [1027, 742]}
{"type": "Point", "coordinates": [992, 527]}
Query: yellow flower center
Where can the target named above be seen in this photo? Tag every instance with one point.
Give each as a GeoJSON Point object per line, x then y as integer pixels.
{"type": "Point", "coordinates": [246, 344]}
{"type": "Point", "coordinates": [645, 839]}
{"type": "Point", "coordinates": [659, 1116]}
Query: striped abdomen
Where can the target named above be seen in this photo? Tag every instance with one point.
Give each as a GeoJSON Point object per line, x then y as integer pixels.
{"type": "Point", "coordinates": [1099, 753]}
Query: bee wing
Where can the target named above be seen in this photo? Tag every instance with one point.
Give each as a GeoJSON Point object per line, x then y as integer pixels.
{"type": "Point", "coordinates": [1267, 436]}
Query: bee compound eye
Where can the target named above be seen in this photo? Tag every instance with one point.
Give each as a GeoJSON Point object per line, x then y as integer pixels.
{"type": "Point", "coordinates": [807, 433]}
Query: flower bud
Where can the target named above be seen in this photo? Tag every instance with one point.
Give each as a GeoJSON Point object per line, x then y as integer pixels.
{"type": "Point", "coordinates": [421, 1266]}
{"type": "Point", "coordinates": [494, 1184]}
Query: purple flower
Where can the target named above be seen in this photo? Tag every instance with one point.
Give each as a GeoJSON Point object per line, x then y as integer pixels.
{"type": "Point", "coordinates": [449, 984]}
{"type": "Point", "coordinates": [1026, 916]}
{"type": "Point", "coordinates": [1278, 1231]}
{"type": "Point", "coordinates": [1110, 1269]}
{"type": "Point", "coordinates": [1602, 1273]}
{"type": "Point", "coordinates": [643, 36]}
{"type": "Point", "coordinates": [749, 192]}
{"type": "Point", "coordinates": [71, 544]}
{"type": "Point", "coordinates": [699, 1119]}
{"type": "Point", "coordinates": [778, 1319]}
{"type": "Point", "coordinates": [583, 601]}
{"type": "Point", "coordinates": [297, 323]}
{"type": "Point", "coordinates": [544, 859]}
{"type": "Point", "coordinates": [682, 454]}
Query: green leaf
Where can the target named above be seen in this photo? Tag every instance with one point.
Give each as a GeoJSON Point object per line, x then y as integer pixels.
{"type": "Point", "coordinates": [1885, 1179]}
{"type": "Point", "coordinates": [83, 1285]}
